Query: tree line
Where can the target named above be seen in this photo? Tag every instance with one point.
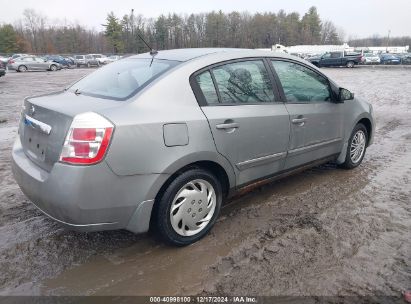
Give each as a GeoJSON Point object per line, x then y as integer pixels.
{"type": "Point", "coordinates": [35, 33]}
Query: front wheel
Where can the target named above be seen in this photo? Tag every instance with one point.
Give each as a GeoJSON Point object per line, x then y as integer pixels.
{"type": "Point", "coordinates": [357, 145]}
{"type": "Point", "coordinates": [188, 208]}
{"type": "Point", "coordinates": [53, 68]}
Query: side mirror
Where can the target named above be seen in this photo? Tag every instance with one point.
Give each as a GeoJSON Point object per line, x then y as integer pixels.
{"type": "Point", "coordinates": [344, 94]}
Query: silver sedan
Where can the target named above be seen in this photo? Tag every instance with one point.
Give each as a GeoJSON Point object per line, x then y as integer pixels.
{"type": "Point", "coordinates": [161, 139]}
{"type": "Point", "coordinates": [33, 63]}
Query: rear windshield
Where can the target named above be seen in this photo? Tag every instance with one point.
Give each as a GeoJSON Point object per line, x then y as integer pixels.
{"type": "Point", "coordinates": [122, 79]}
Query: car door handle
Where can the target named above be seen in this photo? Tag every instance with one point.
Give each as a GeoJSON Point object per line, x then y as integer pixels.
{"type": "Point", "coordinates": [299, 121]}
{"type": "Point", "coordinates": [225, 126]}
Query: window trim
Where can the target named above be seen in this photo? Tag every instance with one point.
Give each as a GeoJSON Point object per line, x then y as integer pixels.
{"type": "Point", "coordinates": [280, 86]}
{"type": "Point", "coordinates": [201, 100]}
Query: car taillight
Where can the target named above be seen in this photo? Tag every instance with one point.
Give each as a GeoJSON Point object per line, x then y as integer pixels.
{"type": "Point", "coordinates": [87, 140]}
{"type": "Point", "coordinates": [11, 61]}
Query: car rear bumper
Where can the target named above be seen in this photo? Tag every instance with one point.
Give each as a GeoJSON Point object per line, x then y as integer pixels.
{"type": "Point", "coordinates": [87, 198]}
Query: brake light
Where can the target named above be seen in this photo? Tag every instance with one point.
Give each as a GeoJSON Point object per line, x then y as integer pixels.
{"type": "Point", "coordinates": [87, 140]}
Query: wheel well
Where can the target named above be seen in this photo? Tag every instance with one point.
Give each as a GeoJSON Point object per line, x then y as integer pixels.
{"type": "Point", "coordinates": [210, 166]}
{"type": "Point", "coordinates": [367, 123]}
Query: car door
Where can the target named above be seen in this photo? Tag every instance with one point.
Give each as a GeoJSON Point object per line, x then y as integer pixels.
{"type": "Point", "coordinates": [29, 63]}
{"type": "Point", "coordinates": [325, 59]}
{"type": "Point", "coordinates": [249, 124]}
{"type": "Point", "coordinates": [316, 119]}
{"type": "Point", "coordinates": [40, 64]}
{"type": "Point", "coordinates": [331, 59]}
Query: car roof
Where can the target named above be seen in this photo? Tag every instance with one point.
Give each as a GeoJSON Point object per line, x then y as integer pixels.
{"type": "Point", "coordinates": [189, 54]}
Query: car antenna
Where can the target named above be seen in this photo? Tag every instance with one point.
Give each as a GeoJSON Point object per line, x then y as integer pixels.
{"type": "Point", "coordinates": [153, 52]}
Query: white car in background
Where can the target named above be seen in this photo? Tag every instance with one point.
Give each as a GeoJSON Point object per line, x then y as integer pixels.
{"type": "Point", "coordinates": [370, 58]}
{"type": "Point", "coordinates": [102, 59]}
{"type": "Point", "coordinates": [113, 58]}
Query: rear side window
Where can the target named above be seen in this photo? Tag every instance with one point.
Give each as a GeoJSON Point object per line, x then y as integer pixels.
{"type": "Point", "coordinates": [206, 85]}
{"type": "Point", "coordinates": [243, 82]}
{"type": "Point", "coordinates": [122, 79]}
{"type": "Point", "coordinates": [300, 84]}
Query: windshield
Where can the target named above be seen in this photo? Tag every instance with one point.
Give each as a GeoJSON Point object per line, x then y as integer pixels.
{"type": "Point", "coordinates": [122, 79]}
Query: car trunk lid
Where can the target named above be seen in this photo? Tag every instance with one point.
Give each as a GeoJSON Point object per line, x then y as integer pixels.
{"type": "Point", "coordinates": [45, 121]}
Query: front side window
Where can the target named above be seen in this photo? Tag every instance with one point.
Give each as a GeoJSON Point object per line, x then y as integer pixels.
{"type": "Point", "coordinates": [301, 84]}
{"type": "Point", "coordinates": [122, 79]}
{"type": "Point", "coordinates": [243, 82]}
{"type": "Point", "coordinates": [206, 85]}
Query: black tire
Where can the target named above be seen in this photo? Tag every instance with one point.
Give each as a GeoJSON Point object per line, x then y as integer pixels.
{"type": "Point", "coordinates": [161, 216]}
{"type": "Point", "coordinates": [349, 164]}
{"type": "Point", "coordinates": [53, 68]}
{"type": "Point", "coordinates": [350, 64]}
{"type": "Point", "coordinates": [22, 68]}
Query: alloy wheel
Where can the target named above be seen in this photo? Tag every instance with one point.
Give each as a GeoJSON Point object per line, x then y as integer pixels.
{"type": "Point", "coordinates": [357, 147]}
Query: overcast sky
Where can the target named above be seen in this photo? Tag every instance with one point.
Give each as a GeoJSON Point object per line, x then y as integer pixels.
{"type": "Point", "coordinates": [358, 18]}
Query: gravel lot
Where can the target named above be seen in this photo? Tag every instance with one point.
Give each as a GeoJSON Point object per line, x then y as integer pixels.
{"type": "Point", "coordinates": [325, 231]}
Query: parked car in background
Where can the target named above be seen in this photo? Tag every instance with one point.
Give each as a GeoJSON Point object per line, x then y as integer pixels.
{"type": "Point", "coordinates": [71, 60]}
{"type": "Point", "coordinates": [33, 63]}
{"type": "Point", "coordinates": [406, 59]}
{"type": "Point", "coordinates": [116, 150]}
{"type": "Point", "coordinates": [86, 60]}
{"type": "Point", "coordinates": [4, 59]}
{"type": "Point", "coordinates": [15, 56]}
{"type": "Point", "coordinates": [59, 59]}
{"type": "Point", "coordinates": [370, 58]}
{"type": "Point", "coordinates": [102, 59]}
{"type": "Point", "coordinates": [113, 58]}
{"type": "Point", "coordinates": [2, 69]}
{"type": "Point", "coordinates": [330, 59]}
{"type": "Point", "coordinates": [389, 59]}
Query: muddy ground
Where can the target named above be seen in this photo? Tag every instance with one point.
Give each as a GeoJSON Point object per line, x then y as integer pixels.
{"type": "Point", "coordinates": [325, 231]}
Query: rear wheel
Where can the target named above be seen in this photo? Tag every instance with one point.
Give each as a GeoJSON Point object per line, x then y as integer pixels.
{"type": "Point", "coordinates": [357, 146]}
{"type": "Point", "coordinates": [350, 64]}
{"type": "Point", "coordinates": [188, 208]}
{"type": "Point", "coordinates": [22, 68]}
